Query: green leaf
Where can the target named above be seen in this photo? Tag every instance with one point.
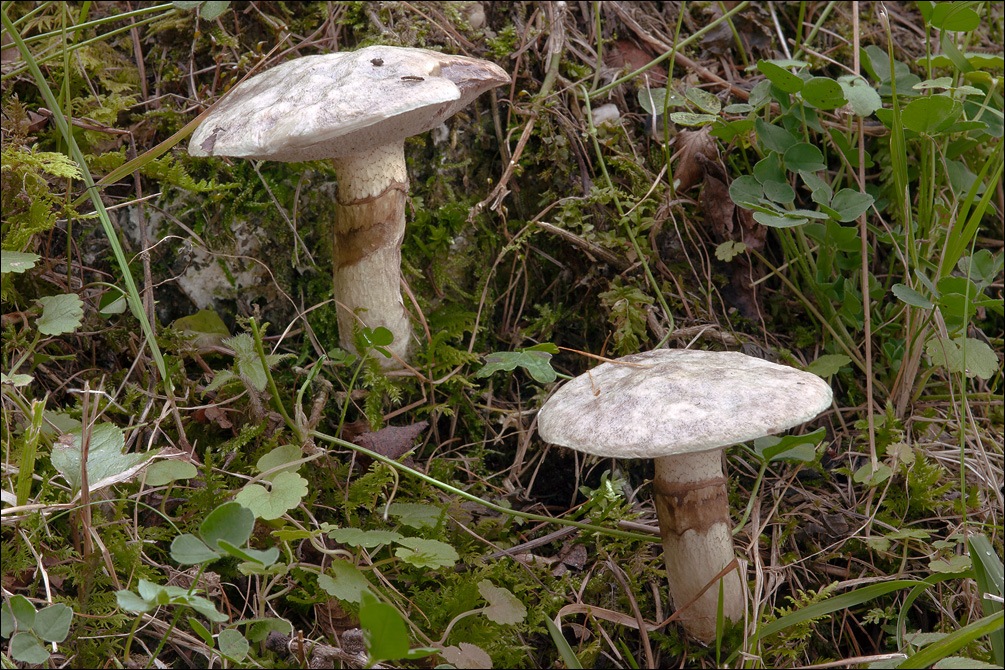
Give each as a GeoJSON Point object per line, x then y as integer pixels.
{"type": "Point", "coordinates": [535, 360]}
{"type": "Point", "coordinates": [989, 573]}
{"type": "Point", "coordinates": [211, 11]}
{"type": "Point", "coordinates": [416, 515]}
{"type": "Point", "coordinates": [851, 204]}
{"type": "Point", "coordinates": [383, 629]}
{"type": "Point", "coordinates": [828, 364]}
{"type": "Point", "coordinates": [23, 612]}
{"type": "Point", "coordinates": [25, 648]}
{"type": "Point", "coordinates": [907, 294]}
{"type": "Point", "coordinates": [779, 191]}
{"type": "Point", "coordinates": [654, 101]}
{"type": "Point", "coordinates": [981, 360]}
{"type": "Point", "coordinates": [823, 93]}
{"type": "Point", "coordinates": [169, 470]}
{"type": "Point", "coordinates": [703, 100]}
{"type": "Point", "coordinates": [954, 16]}
{"type": "Point", "coordinates": [17, 261]}
{"type": "Point", "coordinates": [60, 314]}
{"type": "Point", "coordinates": [259, 629]}
{"type": "Point", "coordinates": [729, 249]}
{"type": "Point", "coordinates": [952, 565]}
{"type": "Point", "coordinates": [187, 549]}
{"type": "Point", "coordinates": [927, 114]}
{"type": "Point", "coordinates": [775, 221]}
{"type": "Point", "coordinates": [201, 631]}
{"type": "Point", "coordinates": [288, 489]}
{"type": "Point", "coordinates": [258, 557]}
{"type": "Point", "coordinates": [131, 602]}
{"type": "Point", "coordinates": [106, 464]}
{"type": "Point", "coordinates": [248, 364]}
{"type": "Point", "coordinates": [231, 522]}
{"type": "Point", "coordinates": [564, 649]}
{"type": "Point", "coordinates": [356, 537]}
{"type": "Point", "coordinates": [803, 156]}
{"type": "Point", "coordinates": [348, 582]}
{"type": "Point", "coordinates": [780, 77]}
{"type": "Point", "coordinates": [52, 623]}
{"type": "Point", "coordinates": [955, 641]}
{"type": "Point", "coordinates": [232, 644]}
{"type": "Point", "coordinates": [503, 607]}
{"type": "Point", "coordinates": [866, 475]}
{"type": "Point", "coordinates": [862, 98]}
{"type": "Point", "coordinates": [774, 138]}
{"type": "Point", "coordinates": [280, 456]}
{"type": "Point", "coordinates": [789, 447]}
{"type": "Point", "coordinates": [692, 119]}
{"type": "Point", "coordinates": [423, 553]}
{"type": "Point", "coordinates": [746, 191]}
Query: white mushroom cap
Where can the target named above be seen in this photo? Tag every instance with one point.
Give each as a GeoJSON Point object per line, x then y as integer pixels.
{"type": "Point", "coordinates": [340, 104]}
{"type": "Point", "coordinates": [678, 401]}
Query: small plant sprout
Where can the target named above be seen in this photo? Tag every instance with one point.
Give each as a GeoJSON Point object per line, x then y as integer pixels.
{"type": "Point", "coordinates": [356, 108]}
{"type": "Point", "coordinates": [681, 408]}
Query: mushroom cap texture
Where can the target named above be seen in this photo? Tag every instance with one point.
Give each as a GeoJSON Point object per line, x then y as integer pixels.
{"type": "Point", "coordinates": [340, 104]}
{"type": "Point", "coordinates": [679, 401]}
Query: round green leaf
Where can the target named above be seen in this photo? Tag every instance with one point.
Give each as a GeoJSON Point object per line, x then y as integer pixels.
{"type": "Point", "coordinates": [823, 93]}
{"type": "Point", "coordinates": [780, 77]}
{"type": "Point", "coordinates": [703, 100]}
{"type": "Point", "coordinates": [26, 648]}
{"type": "Point", "coordinates": [850, 204]}
{"type": "Point", "coordinates": [746, 190]}
{"type": "Point", "coordinates": [774, 138]}
{"type": "Point", "coordinates": [775, 221]}
{"type": "Point", "coordinates": [803, 156]}
{"type": "Point", "coordinates": [52, 623]}
{"type": "Point", "coordinates": [231, 522]}
{"type": "Point", "coordinates": [927, 114]}
{"type": "Point", "coordinates": [17, 261]}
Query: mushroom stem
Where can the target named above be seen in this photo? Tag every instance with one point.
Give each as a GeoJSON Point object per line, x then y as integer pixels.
{"type": "Point", "coordinates": [693, 511]}
{"type": "Point", "coordinates": [369, 228]}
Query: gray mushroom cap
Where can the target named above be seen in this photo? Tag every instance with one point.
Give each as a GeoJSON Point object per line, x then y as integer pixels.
{"type": "Point", "coordinates": [340, 104]}
{"type": "Point", "coordinates": [676, 401]}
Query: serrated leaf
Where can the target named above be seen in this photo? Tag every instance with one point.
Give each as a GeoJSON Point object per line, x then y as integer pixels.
{"type": "Point", "coordinates": [17, 380]}
{"type": "Point", "coordinates": [247, 363]}
{"type": "Point", "coordinates": [348, 583]}
{"type": "Point", "coordinates": [423, 553]}
{"type": "Point", "coordinates": [503, 607]}
{"type": "Point", "coordinates": [356, 537]}
{"type": "Point", "coordinates": [288, 489]}
{"type": "Point", "coordinates": [60, 314]}
{"type": "Point", "coordinates": [17, 262]}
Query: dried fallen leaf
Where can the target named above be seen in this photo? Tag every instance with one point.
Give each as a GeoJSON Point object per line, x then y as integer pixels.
{"type": "Point", "coordinates": [392, 441]}
{"type": "Point", "coordinates": [690, 143]}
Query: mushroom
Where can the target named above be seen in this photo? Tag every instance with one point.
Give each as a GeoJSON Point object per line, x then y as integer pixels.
{"type": "Point", "coordinates": [355, 108]}
{"type": "Point", "coordinates": [681, 408]}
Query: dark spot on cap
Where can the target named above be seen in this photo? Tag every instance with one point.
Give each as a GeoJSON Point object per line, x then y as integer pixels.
{"type": "Point", "coordinates": [412, 77]}
{"type": "Point", "coordinates": [377, 62]}
{"type": "Point", "coordinates": [210, 142]}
